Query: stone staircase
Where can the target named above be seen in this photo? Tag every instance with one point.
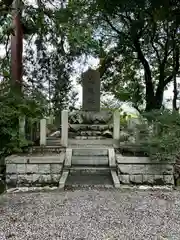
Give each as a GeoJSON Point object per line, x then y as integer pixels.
{"type": "Point", "coordinates": [89, 167]}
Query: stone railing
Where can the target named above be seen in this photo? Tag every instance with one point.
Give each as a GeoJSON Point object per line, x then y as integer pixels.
{"type": "Point", "coordinates": [141, 170]}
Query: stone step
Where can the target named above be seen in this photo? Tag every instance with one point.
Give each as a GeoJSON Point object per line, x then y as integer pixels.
{"type": "Point", "coordinates": [103, 142]}
{"type": "Point", "coordinates": [90, 160]}
{"type": "Point", "coordinates": [53, 142]}
{"type": "Point", "coordinates": [89, 180]}
{"type": "Point", "coordinates": [90, 152]}
{"type": "Point", "coordinates": [84, 170]}
{"type": "Point", "coordinates": [89, 137]}
{"type": "Point", "coordinates": [46, 150]}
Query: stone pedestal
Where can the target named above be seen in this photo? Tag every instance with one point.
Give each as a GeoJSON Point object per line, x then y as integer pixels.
{"type": "Point", "coordinates": [64, 128]}
{"type": "Point", "coordinates": [43, 132]}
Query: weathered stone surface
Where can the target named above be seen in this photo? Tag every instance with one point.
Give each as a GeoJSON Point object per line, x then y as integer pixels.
{"type": "Point", "coordinates": [91, 90]}
{"type": "Point", "coordinates": [159, 180]}
{"type": "Point", "coordinates": [21, 168]}
{"type": "Point", "coordinates": [137, 179]}
{"type": "Point", "coordinates": [16, 159]}
{"type": "Point", "coordinates": [56, 168]}
{"type": "Point", "coordinates": [45, 178]}
{"type": "Point", "coordinates": [107, 133]}
{"type": "Point", "coordinates": [55, 178]}
{"type": "Point", "coordinates": [132, 160]}
{"type": "Point", "coordinates": [124, 136]}
{"type": "Point", "coordinates": [89, 117]}
{"type": "Point", "coordinates": [36, 178]}
{"type": "Point", "coordinates": [124, 179]}
{"type": "Point", "coordinates": [44, 168]}
{"type": "Point", "coordinates": [159, 169]}
{"type": "Point", "coordinates": [169, 179]}
{"type": "Point", "coordinates": [11, 180]}
{"type": "Point", "coordinates": [32, 168]}
{"type": "Point", "coordinates": [148, 179]}
{"type": "Point", "coordinates": [11, 168]}
{"type": "Point", "coordinates": [125, 169]}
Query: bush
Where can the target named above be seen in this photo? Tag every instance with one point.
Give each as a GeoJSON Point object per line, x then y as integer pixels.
{"type": "Point", "coordinates": [164, 140]}
{"type": "Point", "coordinates": [12, 108]}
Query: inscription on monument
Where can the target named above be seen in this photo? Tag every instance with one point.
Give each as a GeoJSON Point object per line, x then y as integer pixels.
{"type": "Point", "coordinates": [91, 90]}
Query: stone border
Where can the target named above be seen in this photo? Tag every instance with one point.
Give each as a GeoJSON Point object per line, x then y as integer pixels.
{"type": "Point", "coordinates": [141, 170]}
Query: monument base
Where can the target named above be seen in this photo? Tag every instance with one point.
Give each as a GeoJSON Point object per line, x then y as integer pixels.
{"type": "Point", "coordinates": [91, 117]}
{"type": "Point", "coordinates": [91, 125]}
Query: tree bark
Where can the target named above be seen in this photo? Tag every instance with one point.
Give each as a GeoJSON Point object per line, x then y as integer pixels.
{"type": "Point", "coordinates": [16, 47]}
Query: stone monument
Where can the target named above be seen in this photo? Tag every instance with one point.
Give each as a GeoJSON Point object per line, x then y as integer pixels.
{"type": "Point", "coordinates": [91, 90]}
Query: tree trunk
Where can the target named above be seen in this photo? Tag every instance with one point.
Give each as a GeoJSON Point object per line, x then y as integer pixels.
{"type": "Point", "coordinates": [16, 48]}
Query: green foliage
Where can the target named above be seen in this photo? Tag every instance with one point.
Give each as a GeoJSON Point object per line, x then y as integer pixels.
{"type": "Point", "coordinates": [163, 141]}
{"type": "Point", "coordinates": [12, 108]}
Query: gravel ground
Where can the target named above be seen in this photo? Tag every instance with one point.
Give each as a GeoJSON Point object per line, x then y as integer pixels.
{"type": "Point", "coordinates": [91, 214]}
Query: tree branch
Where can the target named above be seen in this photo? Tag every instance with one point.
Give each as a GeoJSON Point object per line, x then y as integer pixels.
{"type": "Point", "coordinates": [176, 68]}
{"type": "Point", "coordinates": [110, 24]}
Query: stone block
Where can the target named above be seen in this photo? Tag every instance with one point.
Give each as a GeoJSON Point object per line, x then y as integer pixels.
{"type": "Point", "coordinates": [159, 180]}
{"type": "Point", "coordinates": [11, 180]}
{"type": "Point", "coordinates": [137, 179]}
{"type": "Point", "coordinates": [56, 168]}
{"type": "Point", "coordinates": [125, 168]}
{"type": "Point", "coordinates": [21, 168]}
{"type": "Point", "coordinates": [11, 168]}
{"type": "Point", "coordinates": [83, 137]}
{"type": "Point", "coordinates": [169, 179]}
{"type": "Point", "coordinates": [148, 179]}
{"type": "Point", "coordinates": [32, 168]}
{"type": "Point", "coordinates": [16, 159]}
{"type": "Point", "coordinates": [132, 160]}
{"type": "Point", "coordinates": [158, 169]}
{"type": "Point", "coordinates": [90, 152]}
{"type": "Point", "coordinates": [45, 178]}
{"type": "Point", "coordinates": [55, 178]}
{"type": "Point", "coordinates": [36, 178]}
{"type": "Point", "coordinates": [138, 169]}
{"type": "Point", "coordinates": [44, 168]}
{"type": "Point", "coordinates": [124, 179]}
{"type": "Point", "coordinates": [23, 180]}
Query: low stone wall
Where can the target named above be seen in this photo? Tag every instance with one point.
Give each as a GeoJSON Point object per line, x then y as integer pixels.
{"type": "Point", "coordinates": [33, 170]}
{"type": "Point", "coordinates": [141, 170]}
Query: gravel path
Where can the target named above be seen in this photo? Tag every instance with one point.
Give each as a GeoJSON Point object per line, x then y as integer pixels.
{"type": "Point", "coordinates": [91, 214]}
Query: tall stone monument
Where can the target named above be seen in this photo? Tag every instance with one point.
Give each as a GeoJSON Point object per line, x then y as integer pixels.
{"type": "Point", "coordinates": [91, 90]}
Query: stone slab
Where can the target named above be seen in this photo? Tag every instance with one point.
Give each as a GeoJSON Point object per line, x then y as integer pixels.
{"type": "Point", "coordinates": [56, 168]}
{"type": "Point", "coordinates": [149, 169]}
{"type": "Point", "coordinates": [91, 90]}
{"type": "Point", "coordinates": [136, 179]}
{"type": "Point", "coordinates": [32, 168]}
{"type": "Point", "coordinates": [44, 168]}
{"type": "Point", "coordinates": [90, 152]}
{"type": "Point", "coordinates": [137, 160]}
{"type": "Point", "coordinates": [68, 157]}
{"type": "Point", "coordinates": [90, 160]}
{"type": "Point", "coordinates": [112, 159]}
{"type": "Point", "coordinates": [15, 159]}
{"type": "Point", "coordinates": [11, 168]}
{"type": "Point", "coordinates": [63, 179]}
{"type": "Point", "coordinates": [124, 179]}
{"type": "Point", "coordinates": [115, 179]}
